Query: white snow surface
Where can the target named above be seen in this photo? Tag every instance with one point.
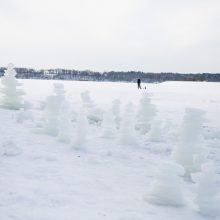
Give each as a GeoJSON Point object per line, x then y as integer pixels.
{"type": "Point", "coordinates": [42, 178]}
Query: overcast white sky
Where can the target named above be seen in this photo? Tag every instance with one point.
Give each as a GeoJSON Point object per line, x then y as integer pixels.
{"type": "Point", "coordinates": [103, 35]}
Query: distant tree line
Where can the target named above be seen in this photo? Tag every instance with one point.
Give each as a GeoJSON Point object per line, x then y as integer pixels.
{"type": "Point", "coordinates": [113, 76]}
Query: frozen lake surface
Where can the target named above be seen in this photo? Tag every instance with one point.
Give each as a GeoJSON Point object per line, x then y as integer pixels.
{"type": "Point", "coordinates": [42, 178]}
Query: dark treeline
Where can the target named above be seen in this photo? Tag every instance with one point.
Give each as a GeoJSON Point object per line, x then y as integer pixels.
{"type": "Point", "coordinates": [113, 76]}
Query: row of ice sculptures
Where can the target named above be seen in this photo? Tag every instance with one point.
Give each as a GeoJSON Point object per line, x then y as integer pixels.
{"type": "Point", "coordinates": [189, 158]}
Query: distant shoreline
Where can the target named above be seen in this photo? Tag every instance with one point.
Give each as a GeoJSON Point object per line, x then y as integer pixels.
{"type": "Point", "coordinates": [112, 76]}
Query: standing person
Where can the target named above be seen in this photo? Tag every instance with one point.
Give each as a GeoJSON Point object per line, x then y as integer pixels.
{"type": "Point", "coordinates": [139, 83]}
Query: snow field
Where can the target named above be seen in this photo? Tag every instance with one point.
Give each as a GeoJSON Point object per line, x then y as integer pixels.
{"type": "Point", "coordinates": [99, 150]}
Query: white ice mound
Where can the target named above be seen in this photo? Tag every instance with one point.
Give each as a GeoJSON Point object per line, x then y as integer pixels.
{"type": "Point", "coordinates": [93, 113]}
{"type": "Point", "coordinates": [208, 192]}
{"type": "Point", "coordinates": [12, 96]}
{"type": "Point", "coordinates": [146, 114]}
{"type": "Point", "coordinates": [190, 151]}
{"type": "Point", "coordinates": [167, 186]}
{"type": "Point", "coordinates": [54, 109]}
{"type": "Point", "coordinates": [192, 125]}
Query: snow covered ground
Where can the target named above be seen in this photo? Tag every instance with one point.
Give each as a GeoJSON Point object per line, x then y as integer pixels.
{"type": "Point", "coordinates": [42, 178]}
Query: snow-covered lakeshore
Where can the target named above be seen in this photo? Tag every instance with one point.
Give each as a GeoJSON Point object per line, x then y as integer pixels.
{"type": "Point", "coordinates": [60, 176]}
